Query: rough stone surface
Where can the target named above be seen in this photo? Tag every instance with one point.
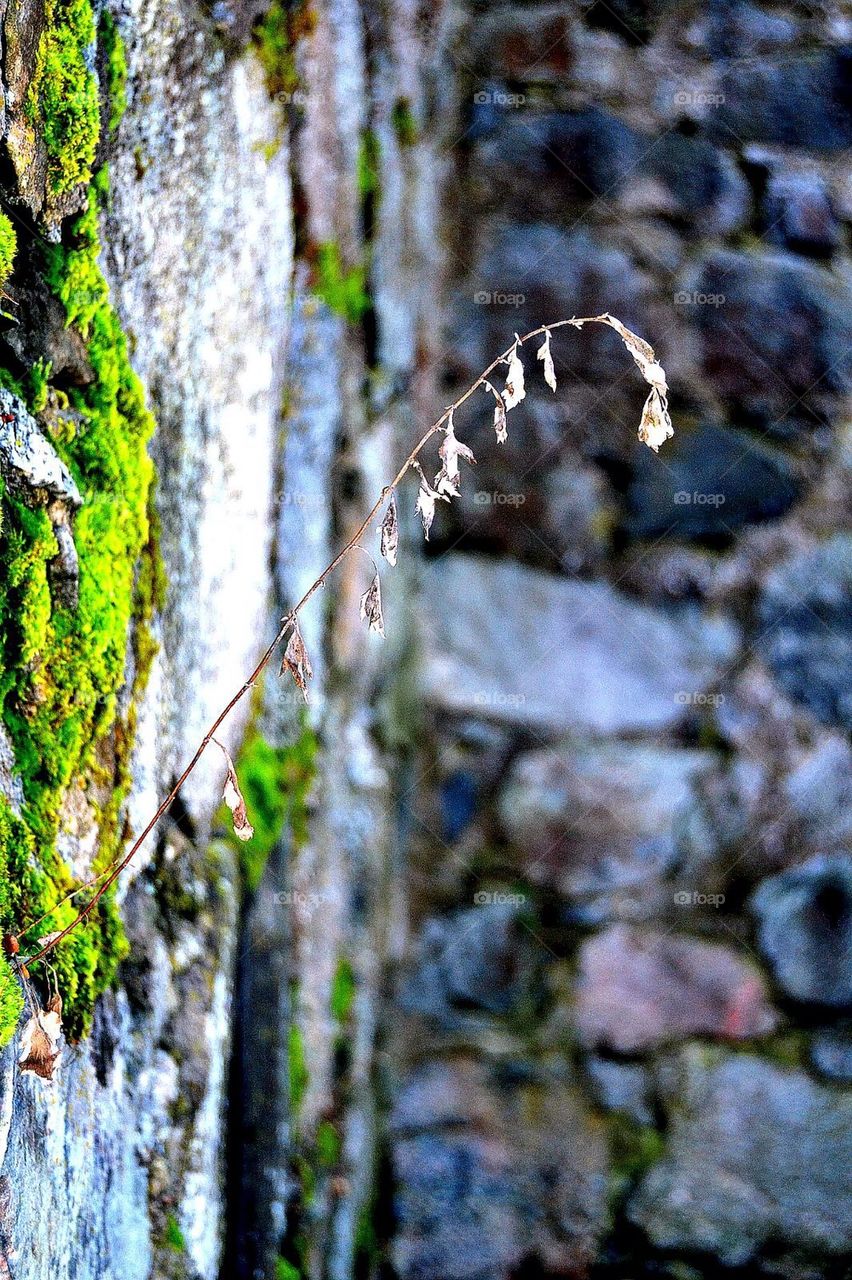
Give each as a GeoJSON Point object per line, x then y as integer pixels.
{"type": "Point", "coordinates": [777, 346]}
{"type": "Point", "coordinates": [637, 990]}
{"type": "Point", "coordinates": [831, 1053]}
{"type": "Point", "coordinates": [93, 1140]}
{"type": "Point", "coordinates": [30, 467]}
{"type": "Point", "coordinates": [486, 1179]}
{"type": "Point", "coordinates": [599, 821]}
{"type": "Point", "coordinates": [757, 1156]}
{"type": "Point", "coordinates": [198, 252]}
{"type": "Point", "coordinates": [806, 611]}
{"type": "Point", "coordinates": [492, 632]}
{"type": "Point", "coordinates": [475, 961]}
{"type": "Point", "coordinates": [805, 929]}
{"type": "Point", "coordinates": [714, 482]}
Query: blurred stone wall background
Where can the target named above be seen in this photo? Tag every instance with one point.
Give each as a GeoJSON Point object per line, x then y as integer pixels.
{"type": "Point", "coordinates": [617, 1044]}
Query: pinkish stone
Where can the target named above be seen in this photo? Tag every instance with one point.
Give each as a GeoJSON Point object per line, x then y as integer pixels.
{"type": "Point", "coordinates": [638, 989]}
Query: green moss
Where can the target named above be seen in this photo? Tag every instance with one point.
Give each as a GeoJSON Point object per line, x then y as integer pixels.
{"type": "Point", "coordinates": [342, 289]}
{"type": "Point", "coordinates": [285, 1270]}
{"type": "Point", "coordinates": [11, 998]}
{"type": "Point", "coordinates": [298, 1067]}
{"type": "Point", "coordinates": [275, 38]}
{"type": "Point", "coordinates": [276, 782]}
{"type": "Point", "coordinates": [368, 164]}
{"type": "Point", "coordinates": [62, 100]}
{"type": "Point", "coordinates": [404, 123]}
{"type": "Point", "coordinates": [11, 1002]}
{"type": "Point", "coordinates": [39, 383]}
{"type": "Point", "coordinates": [633, 1149]}
{"type": "Point", "coordinates": [115, 64]}
{"type": "Point", "coordinates": [342, 991]}
{"type": "Point", "coordinates": [8, 248]}
{"type": "Point", "coordinates": [327, 1145]}
{"type": "Point", "coordinates": [173, 1237]}
{"type": "Point", "coordinates": [61, 670]}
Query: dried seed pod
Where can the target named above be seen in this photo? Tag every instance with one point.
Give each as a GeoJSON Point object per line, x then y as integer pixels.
{"type": "Point", "coordinates": [544, 354]}
{"type": "Point", "coordinates": [371, 606]}
{"type": "Point", "coordinates": [656, 425]}
{"type": "Point", "coordinates": [447, 479]}
{"type": "Point", "coordinates": [514, 391]}
{"type": "Point", "coordinates": [296, 660]}
{"type": "Point", "coordinates": [40, 1051]}
{"type": "Point", "coordinates": [499, 413]}
{"type": "Point", "coordinates": [642, 352]}
{"type": "Point", "coordinates": [233, 798]}
{"type": "Point", "coordinates": [390, 532]}
{"type": "Point", "coordinates": [426, 499]}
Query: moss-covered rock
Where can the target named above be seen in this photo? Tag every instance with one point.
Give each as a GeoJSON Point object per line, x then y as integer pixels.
{"type": "Point", "coordinates": [61, 668]}
{"type": "Point", "coordinates": [62, 102]}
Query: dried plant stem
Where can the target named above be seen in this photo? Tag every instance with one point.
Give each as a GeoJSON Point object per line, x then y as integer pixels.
{"type": "Point", "coordinates": [106, 879]}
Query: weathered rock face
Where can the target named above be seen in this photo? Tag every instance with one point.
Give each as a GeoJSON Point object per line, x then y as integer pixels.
{"type": "Point", "coordinates": [747, 1164]}
{"type": "Point", "coordinates": [805, 929]}
{"type": "Point", "coordinates": [123, 1153]}
{"type": "Point", "coordinates": [491, 629]}
{"type": "Point", "coordinates": [639, 990]}
{"type": "Point", "coordinates": [487, 1179]}
{"type": "Point", "coordinates": [629, 830]}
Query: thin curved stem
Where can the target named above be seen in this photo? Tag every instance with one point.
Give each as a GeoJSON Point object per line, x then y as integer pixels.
{"type": "Point", "coordinates": [286, 622]}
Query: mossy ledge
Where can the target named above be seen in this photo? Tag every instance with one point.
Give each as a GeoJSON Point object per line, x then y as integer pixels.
{"type": "Point", "coordinates": [62, 102]}
{"type": "Point", "coordinates": [61, 669]}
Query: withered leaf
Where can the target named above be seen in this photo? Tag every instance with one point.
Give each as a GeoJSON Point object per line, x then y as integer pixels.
{"type": "Point", "coordinates": [371, 606]}
{"type": "Point", "coordinates": [656, 425]}
{"type": "Point", "coordinates": [426, 508]}
{"type": "Point", "coordinates": [426, 499]}
{"type": "Point", "coordinates": [233, 797]}
{"type": "Point", "coordinates": [643, 353]}
{"type": "Point", "coordinates": [544, 354]}
{"type": "Point", "coordinates": [447, 479]}
{"type": "Point", "coordinates": [40, 1051]}
{"type": "Point", "coordinates": [499, 414]}
{"type": "Point", "coordinates": [514, 391]}
{"type": "Point", "coordinates": [296, 661]}
{"type": "Point", "coordinates": [390, 532]}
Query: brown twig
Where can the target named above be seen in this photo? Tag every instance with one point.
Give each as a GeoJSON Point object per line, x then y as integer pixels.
{"type": "Point", "coordinates": [108, 878]}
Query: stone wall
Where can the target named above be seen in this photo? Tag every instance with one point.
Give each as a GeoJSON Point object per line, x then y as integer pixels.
{"type": "Point", "coordinates": [546, 969]}
{"type": "Point", "coordinates": [617, 1044]}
